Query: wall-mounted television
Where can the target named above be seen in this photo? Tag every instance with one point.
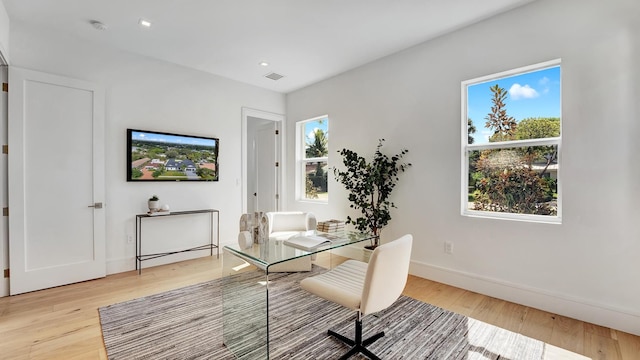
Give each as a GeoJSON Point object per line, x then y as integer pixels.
{"type": "Point", "coordinates": [161, 156]}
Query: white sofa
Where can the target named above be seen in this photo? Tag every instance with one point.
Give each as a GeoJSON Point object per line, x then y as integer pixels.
{"type": "Point", "coordinates": [283, 225]}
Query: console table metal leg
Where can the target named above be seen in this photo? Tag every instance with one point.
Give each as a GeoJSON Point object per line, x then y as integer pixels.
{"type": "Point", "coordinates": [139, 245]}
{"type": "Point", "coordinates": [217, 235]}
{"type": "Point", "coordinates": [211, 234]}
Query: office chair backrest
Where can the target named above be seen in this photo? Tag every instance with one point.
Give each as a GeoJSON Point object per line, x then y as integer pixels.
{"type": "Point", "coordinates": [386, 275]}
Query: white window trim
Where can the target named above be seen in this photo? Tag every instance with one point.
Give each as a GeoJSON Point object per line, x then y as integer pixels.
{"type": "Point", "coordinates": [301, 161]}
{"type": "Point", "coordinates": [466, 148]}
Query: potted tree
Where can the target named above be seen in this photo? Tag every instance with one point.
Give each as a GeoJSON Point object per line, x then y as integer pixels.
{"type": "Point", "coordinates": [370, 184]}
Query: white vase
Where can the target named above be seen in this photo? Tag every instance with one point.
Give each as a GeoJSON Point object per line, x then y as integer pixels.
{"type": "Point", "coordinates": [153, 205]}
{"type": "Point", "coordinates": [245, 240]}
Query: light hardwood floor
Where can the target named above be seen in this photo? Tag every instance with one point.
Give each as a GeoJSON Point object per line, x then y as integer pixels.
{"type": "Point", "coordinates": [63, 322]}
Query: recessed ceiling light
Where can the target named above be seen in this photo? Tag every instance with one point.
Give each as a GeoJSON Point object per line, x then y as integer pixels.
{"type": "Point", "coordinates": [98, 25]}
{"type": "Point", "coordinates": [264, 63]}
{"type": "Point", "coordinates": [144, 23]}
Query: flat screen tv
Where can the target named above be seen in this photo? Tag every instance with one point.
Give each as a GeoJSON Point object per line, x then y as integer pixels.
{"type": "Point", "coordinates": [160, 156]}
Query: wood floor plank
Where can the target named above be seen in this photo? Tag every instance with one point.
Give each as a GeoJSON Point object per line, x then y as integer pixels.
{"type": "Point", "coordinates": [511, 317]}
{"type": "Point", "coordinates": [488, 310]}
{"type": "Point", "coordinates": [63, 322]}
{"type": "Point", "coordinates": [466, 303]}
{"type": "Point", "coordinates": [602, 347]}
{"type": "Point", "coordinates": [629, 345]}
{"type": "Point", "coordinates": [538, 324]}
{"type": "Point", "coordinates": [568, 334]}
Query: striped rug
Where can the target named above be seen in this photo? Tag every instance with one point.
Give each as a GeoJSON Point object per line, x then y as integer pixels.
{"type": "Point", "coordinates": [186, 323]}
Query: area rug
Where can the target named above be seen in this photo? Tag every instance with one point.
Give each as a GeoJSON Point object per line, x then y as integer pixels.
{"type": "Point", "coordinates": [186, 323]}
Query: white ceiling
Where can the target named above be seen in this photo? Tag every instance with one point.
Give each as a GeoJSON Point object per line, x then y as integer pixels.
{"type": "Point", "coordinates": [305, 40]}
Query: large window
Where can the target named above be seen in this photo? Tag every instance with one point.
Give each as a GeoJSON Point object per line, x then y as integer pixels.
{"type": "Point", "coordinates": [511, 137]}
{"type": "Point", "coordinates": [312, 137]}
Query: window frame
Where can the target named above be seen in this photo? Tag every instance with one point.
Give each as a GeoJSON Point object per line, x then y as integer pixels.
{"type": "Point", "coordinates": [467, 148]}
{"type": "Point", "coordinates": [302, 160]}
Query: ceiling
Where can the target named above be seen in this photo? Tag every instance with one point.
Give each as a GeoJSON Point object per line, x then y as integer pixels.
{"type": "Point", "coordinates": [305, 40]}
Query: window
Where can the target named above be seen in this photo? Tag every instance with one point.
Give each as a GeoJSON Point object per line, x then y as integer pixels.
{"type": "Point", "coordinates": [312, 137]}
{"type": "Point", "coordinates": [511, 137]}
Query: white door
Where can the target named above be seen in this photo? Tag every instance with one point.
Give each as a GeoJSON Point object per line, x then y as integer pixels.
{"type": "Point", "coordinates": [258, 130]}
{"type": "Point", "coordinates": [56, 181]}
{"type": "Point", "coordinates": [265, 170]}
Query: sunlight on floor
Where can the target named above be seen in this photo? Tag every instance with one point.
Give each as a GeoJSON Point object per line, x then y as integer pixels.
{"type": "Point", "coordinates": [486, 340]}
{"type": "Point", "coordinates": [555, 353]}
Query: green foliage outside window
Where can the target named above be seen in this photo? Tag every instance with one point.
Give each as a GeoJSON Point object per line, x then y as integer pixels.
{"type": "Point", "coordinates": [316, 180]}
{"type": "Point", "coordinates": [514, 180]}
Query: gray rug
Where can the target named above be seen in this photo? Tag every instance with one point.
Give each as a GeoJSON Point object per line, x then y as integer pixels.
{"type": "Point", "coordinates": [186, 323]}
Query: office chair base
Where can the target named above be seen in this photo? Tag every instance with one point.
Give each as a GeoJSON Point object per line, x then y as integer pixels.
{"type": "Point", "coordinates": [358, 345]}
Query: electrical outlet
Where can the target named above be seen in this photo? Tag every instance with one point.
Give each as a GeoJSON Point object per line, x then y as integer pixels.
{"type": "Point", "coordinates": [129, 239]}
{"type": "Point", "coordinates": [448, 247]}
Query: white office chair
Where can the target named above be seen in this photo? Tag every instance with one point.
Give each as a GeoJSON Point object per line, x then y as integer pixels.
{"type": "Point", "coordinates": [366, 288]}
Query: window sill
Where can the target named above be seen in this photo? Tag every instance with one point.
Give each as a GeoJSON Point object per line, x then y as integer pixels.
{"type": "Point", "coordinates": [542, 219]}
{"type": "Point", "coordinates": [311, 201]}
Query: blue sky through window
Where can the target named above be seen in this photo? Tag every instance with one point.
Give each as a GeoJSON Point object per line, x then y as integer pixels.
{"type": "Point", "coordinates": [534, 94]}
{"type": "Point", "coordinates": [310, 126]}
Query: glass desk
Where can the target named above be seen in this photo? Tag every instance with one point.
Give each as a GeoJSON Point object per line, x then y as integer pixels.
{"type": "Point", "coordinates": [245, 289]}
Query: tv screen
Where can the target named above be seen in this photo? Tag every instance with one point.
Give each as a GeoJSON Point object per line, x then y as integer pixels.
{"type": "Point", "coordinates": [160, 156]}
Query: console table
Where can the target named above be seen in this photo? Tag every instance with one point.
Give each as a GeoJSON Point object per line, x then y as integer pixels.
{"type": "Point", "coordinates": [140, 257]}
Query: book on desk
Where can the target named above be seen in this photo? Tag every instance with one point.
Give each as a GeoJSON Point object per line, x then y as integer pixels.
{"type": "Point", "coordinates": [310, 242]}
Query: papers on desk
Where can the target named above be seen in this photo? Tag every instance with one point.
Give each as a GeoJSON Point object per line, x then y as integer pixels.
{"type": "Point", "coordinates": [307, 242]}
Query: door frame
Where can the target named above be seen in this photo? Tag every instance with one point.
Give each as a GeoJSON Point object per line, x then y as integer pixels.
{"type": "Point", "coordinates": [280, 150]}
{"type": "Point", "coordinates": [4, 192]}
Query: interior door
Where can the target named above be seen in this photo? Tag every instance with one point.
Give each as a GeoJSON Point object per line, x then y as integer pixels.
{"type": "Point", "coordinates": [56, 181]}
{"type": "Point", "coordinates": [265, 173]}
{"type": "Point", "coordinates": [253, 122]}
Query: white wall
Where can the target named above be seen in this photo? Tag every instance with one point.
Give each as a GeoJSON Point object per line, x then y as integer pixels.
{"type": "Point", "coordinates": [151, 95]}
{"type": "Point", "coordinates": [587, 267]}
{"type": "Point", "coordinates": [4, 33]}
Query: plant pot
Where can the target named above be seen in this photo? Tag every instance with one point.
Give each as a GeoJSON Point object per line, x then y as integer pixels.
{"type": "Point", "coordinates": [366, 254]}
{"type": "Point", "coordinates": [375, 242]}
{"type": "Point", "coordinates": [153, 205]}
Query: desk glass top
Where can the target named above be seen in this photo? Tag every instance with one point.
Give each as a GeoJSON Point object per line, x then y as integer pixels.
{"type": "Point", "coordinates": [275, 251]}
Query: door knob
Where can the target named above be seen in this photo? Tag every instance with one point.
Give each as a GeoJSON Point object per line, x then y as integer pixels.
{"type": "Point", "coordinates": [97, 205]}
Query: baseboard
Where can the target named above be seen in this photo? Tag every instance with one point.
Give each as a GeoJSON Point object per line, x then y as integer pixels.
{"type": "Point", "coordinates": [626, 320]}
{"type": "Point", "coordinates": [115, 266]}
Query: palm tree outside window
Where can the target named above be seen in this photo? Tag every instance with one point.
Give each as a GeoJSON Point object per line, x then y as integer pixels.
{"type": "Point", "coordinates": [313, 139]}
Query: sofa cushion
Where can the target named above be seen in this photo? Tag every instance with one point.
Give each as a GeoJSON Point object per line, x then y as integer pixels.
{"type": "Point", "coordinates": [288, 221]}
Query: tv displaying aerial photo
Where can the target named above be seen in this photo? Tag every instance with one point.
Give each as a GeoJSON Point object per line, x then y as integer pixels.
{"type": "Point", "coordinates": [159, 156]}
